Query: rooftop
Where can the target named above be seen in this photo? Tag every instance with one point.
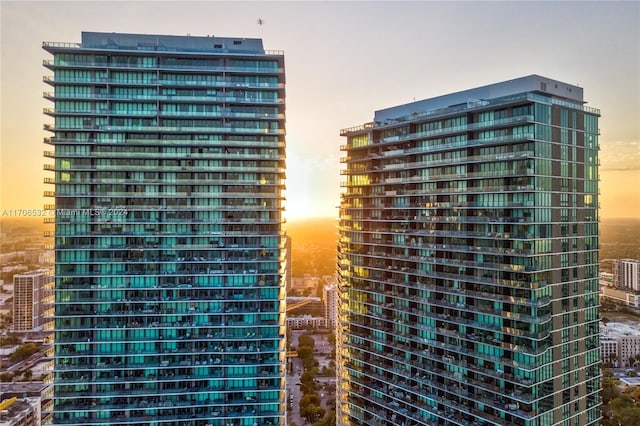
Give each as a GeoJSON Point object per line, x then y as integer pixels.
{"type": "Point", "coordinates": [630, 381]}
{"type": "Point", "coordinates": [169, 42]}
{"type": "Point", "coordinates": [530, 88]}
{"type": "Point", "coordinates": [35, 273]}
{"type": "Point", "coordinates": [166, 43]}
{"type": "Point", "coordinates": [21, 388]}
{"type": "Point", "coordinates": [618, 329]}
{"type": "Point", "coordinates": [302, 298]}
{"type": "Point", "coordinates": [14, 409]}
{"type": "Point", "coordinates": [530, 83]}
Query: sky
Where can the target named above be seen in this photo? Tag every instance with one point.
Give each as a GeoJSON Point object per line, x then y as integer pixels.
{"type": "Point", "coordinates": [343, 61]}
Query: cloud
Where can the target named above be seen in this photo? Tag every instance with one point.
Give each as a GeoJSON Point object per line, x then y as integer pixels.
{"type": "Point", "coordinates": [619, 169]}
{"type": "Point", "coordinates": [618, 156]}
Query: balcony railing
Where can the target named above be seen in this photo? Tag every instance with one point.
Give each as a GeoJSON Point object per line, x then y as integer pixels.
{"type": "Point", "coordinates": [55, 64]}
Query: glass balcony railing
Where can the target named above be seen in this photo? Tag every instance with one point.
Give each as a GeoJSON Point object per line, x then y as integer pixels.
{"type": "Point", "coordinates": [168, 142]}
{"type": "Point", "coordinates": [157, 129]}
{"type": "Point", "coordinates": [163, 168]}
{"type": "Point", "coordinates": [57, 64]}
{"type": "Point", "coordinates": [219, 82]}
{"type": "Point", "coordinates": [153, 113]}
{"type": "Point", "coordinates": [155, 97]}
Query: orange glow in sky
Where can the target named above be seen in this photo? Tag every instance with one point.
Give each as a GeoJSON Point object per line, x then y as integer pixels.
{"type": "Point", "coordinates": [343, 61]}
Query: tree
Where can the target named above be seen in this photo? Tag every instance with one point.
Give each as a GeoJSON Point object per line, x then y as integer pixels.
{"type": "Point", "coordinates": [308, 399]}
{"type": "Point", "coordinates": [306, 340]}
{"type": "Point", "coordinates": [622, 410]}
{"type": "Point", "coordinates": [9, 340]}
{"type": "Point", "coordinates": [610, 390]}
{"type": "Point", "coordinates": [312, 412]}
{"type": "Point", "coordinates": [307, 377]}
{"type": "Point", "coordinates": [328, 420]}
{"type": "Point", "coordinates": [329, 371]}
{"type": "Point", "coordinates": [331, 339]}
{"type": "Point", "coordinates": [23, 352]}
{"type": "Point", "coordinates": [621, 402]}
{"type": "Point", "coordinates": [304, 352]}
{"type": "Point", "coordinates": [28, 374]}
{"type": "Point", "coordinates": [310, 406]}
{"type": "Point", "coordinates": [628, 416]}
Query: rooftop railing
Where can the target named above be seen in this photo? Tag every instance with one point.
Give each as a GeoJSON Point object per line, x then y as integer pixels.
{"type": "Point", "coordinates": [470, 105]}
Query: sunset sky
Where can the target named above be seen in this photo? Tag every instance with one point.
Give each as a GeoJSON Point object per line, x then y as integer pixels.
{"type": "Point", "coordinates": [343, 61]}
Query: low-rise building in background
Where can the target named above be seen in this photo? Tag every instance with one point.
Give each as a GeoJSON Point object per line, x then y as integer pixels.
{"type": "Point", "coordinates": [20, 412]}
{"type": "Point", "coordinates": [620, 344]}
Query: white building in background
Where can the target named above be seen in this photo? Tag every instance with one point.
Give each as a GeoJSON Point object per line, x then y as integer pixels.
{"type": "Point", "coordinates": [626, 274]}
{"type": "Point", "coordinates": [619, 342]}
{"type": "Point", "coordinates": [330, 298]}
{"type": "Point", "coordinates": [606, 279]}
{"type": "Point", "coordinates": [305, 321]}
{"type": "Point", "coordinates": [625, 297]}
{"type": "Point", "coordinates": [609, 350]}
{"type": "Point", "coordinates": [30, 291]}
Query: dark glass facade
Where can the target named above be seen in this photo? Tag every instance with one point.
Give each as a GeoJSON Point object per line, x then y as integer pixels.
{"type": "Point", "coordinates": [468, 261]}
{"type": "Point", "coordinates": [168, 176]}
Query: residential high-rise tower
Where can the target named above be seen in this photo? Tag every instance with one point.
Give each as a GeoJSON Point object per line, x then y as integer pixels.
{"type": "Point", "coordinates": [626, 274]}
{"type": "Point", "coordinates": [330, 299]}
{"type": "Point", "coordinates": [468, 261]}
{"type": "Point", "coordinates": [168, 161]}
{"type": "Point", "coordinates": [31, 291]}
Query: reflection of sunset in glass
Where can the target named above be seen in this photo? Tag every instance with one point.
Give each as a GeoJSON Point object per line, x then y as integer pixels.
{"type": "Point", "coordinates": [337, 72]}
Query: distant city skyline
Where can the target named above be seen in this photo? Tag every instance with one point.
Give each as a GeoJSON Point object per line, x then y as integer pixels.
{"type": "Point", "coordinates": [345, 59]}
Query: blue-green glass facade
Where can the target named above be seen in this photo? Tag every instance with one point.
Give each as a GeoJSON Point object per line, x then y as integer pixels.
{"type": "Point", "coordinates": [168, 176]}
{"type": "Point", "coordinates": [468, 261]}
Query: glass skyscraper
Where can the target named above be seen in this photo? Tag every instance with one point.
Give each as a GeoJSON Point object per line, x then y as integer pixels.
{"type": "Point", "coordinates": [468, 261]}
{"type": "Point", "coordinates": [168, 175]}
